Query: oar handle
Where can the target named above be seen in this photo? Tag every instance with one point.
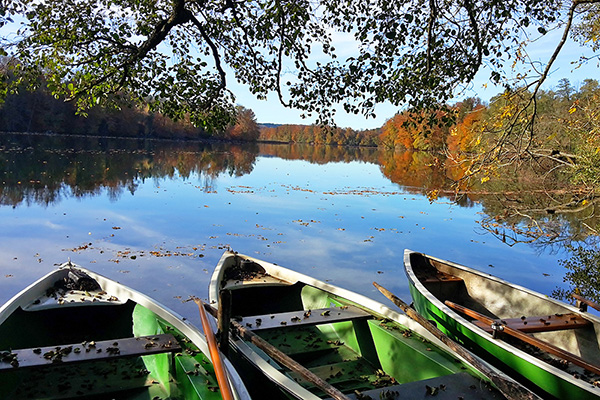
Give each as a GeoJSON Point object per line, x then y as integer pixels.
{"type": "Point", "coordinates": [214, 353]}
{"type": "Point", "coordinates": [590, 303]}
{"type": "Point", "coordinates": [508, 387]}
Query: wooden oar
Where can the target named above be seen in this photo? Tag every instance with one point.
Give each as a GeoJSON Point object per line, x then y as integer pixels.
{"type": "Point", "coordinates": [590, 303]}
{"type": "Point", "coordinates": [214, 353]}
{"type": "Point", "coordinates": [509, 388]}
{"type": "Point", "coordinates": [283, 358]}
{"type": "Point", "coordinates": [545, 346]}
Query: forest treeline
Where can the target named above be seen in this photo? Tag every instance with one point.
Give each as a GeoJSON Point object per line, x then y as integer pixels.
{"type": "Point", "coordinates": [565, 135]}
{"type": "Point", "coordinates": [316, 134]}
{"type": "Point", "coordinates": [559, 113]}
{"type": "Point", "coordinates": [38, 111]}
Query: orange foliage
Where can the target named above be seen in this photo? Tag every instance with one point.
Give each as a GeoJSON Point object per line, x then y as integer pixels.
{"type": "Point", "coordinates": [395, 133]}
{"type": "Point", "coordinates": [463, 137]}
{"type": "Point", "coordinates": [414, 131]}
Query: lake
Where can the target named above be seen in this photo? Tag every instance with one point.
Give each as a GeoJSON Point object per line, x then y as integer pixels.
{"type": "Point", "coordinates": [157, 216]}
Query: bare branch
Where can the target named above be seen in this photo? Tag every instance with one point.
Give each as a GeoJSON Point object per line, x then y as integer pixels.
{"type": "Point", "coordinates": [430, 38]}
{"type": "Point", "coordinates": [280, 55]}
{"type": "Point", "coordinates": [213, 49]}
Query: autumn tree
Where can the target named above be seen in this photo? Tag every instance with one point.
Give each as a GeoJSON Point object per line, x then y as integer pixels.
{"type": "Point", "coordinates": [412, 130]}
{"type": "Point", "coordinates": [394, 133]}
{"type": "Point", "coordinates": [245, 126]}
{"type": "Point", "coordinates": [584, 129]}
{"type": "Point", "coordinates": [466, 134]}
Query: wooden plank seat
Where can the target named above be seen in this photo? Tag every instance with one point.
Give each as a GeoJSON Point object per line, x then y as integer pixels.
{"type": "Point", "coordinates": [347, 376]}
{"type": "Point", "coordinates": [453, 386]}
{"type": "Point", "coordinates": [303, 317]}
{"type": "Point", "coordinates": [542, 323]}
{"type": "Point", "coordinates": [438, 277]}
{"type": "Point", "coordinates": [88, 351]}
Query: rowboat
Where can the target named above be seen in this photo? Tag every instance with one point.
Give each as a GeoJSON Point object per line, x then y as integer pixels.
{"type": "Point", "coordinates": [74, 334]}
{"type": "Point", "coordinates": [299, 337]}
{"type": "Point", "coordinates": [552, 347]}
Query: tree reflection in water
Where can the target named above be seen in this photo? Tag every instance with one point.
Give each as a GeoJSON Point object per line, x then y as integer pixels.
{"type": "Point", "coordinates": [521, 206]}
{"type": "Point", "coordinates": [583, 274]}
{"type": "Point", "coordinates": [45, 169]}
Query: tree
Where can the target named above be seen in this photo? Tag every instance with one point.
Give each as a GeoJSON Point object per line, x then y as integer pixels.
{"type": "Point", "coordinates": [173, 53]}
{"type": "Point", "coordinates": [589, 88]}
{"type": "Point", "coordinates": [588, 30]}
{"type": "Point", "coordinates": [245, 126]}
{"type": "Point", "coordinates": [463, 137]}
{"type": "Point", "coordinates": [564, 90]}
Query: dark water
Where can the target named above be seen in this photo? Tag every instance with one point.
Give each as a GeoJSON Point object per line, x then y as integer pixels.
{"type": "Point", "coordinates": [157, 215]}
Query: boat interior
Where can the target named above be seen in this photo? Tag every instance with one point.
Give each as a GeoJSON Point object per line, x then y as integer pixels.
{"type": "Point", "coordinates": [510, 305]}
{"type": "Point", "coordinates": [358, 353]}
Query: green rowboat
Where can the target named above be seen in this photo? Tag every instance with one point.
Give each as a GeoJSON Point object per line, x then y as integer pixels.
{"type": "Point", "coordinates": [360, 347]}
{"type": "Point", "coordinates": [77, 334]}
{"type": "Point", "coordinates": [549, 346]}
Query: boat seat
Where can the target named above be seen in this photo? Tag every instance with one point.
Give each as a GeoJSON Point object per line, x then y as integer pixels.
{"type": "Point", "coordinates": [439, 277]}
{"type": "Point", "coordinates": [304, 318]}
{"type": "Point", "coordinates": [88, 351]}
{"type": "Point", "coordinates": [454, 386]}
{"type": "Point", "coordinates": [543, 323]}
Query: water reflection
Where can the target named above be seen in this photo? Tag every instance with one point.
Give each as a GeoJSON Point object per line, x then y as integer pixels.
{"type": "Point", "coordinates": [321, 154]}
{"type": "Point", "coordinates": [583, 274]}
{"type": "Point", "coordinates": [521, 207]}
{"type": "Point", "coordinates": [44, 169]}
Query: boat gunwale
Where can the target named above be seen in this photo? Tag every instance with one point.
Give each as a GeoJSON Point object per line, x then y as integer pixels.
{"type": "Point", "coordinates": [483, 334]}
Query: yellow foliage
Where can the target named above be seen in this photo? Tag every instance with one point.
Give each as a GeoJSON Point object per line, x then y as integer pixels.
{"type": "Point", "coordinates": [433, 195]}
{"type": "Point", "coordinates": [506, 113]}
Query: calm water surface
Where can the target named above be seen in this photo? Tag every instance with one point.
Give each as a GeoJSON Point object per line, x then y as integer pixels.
{"type": "Point", "coordinates": [157, 217]}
